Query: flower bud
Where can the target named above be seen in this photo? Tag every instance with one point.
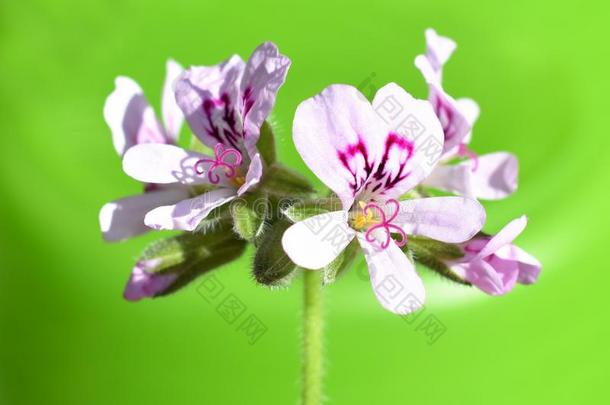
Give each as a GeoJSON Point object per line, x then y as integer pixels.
{"type": "Point", "coordinates": [272, 266]}
{"type": "Point", "coordinates": [170, 264]}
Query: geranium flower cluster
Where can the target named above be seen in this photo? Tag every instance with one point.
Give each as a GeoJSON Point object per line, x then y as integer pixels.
{"type": "Point", "coordinates": [402, 182]}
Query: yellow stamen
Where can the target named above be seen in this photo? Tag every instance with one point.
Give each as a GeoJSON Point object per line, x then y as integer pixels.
{"type": "Point", "coordinates": [360, 220]}
{"type": "Point", "coordinates": [238, 181]}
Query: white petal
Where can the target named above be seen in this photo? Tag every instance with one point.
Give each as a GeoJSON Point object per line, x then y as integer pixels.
{"type": "Point", "coordinates": [495, 176]}
{"type": "Point", "coordinates": [187, 214]}
{"type": "Point", "coordinates": [438, 48]}
{"type": "Point", "coordinates": [415, 121]}
{"type": "Point", "coordinates": [315, 242]}
{"type": "Point", "coordinates": [164, 164]}
{"type": "Point", "coordinates": [130, 118]}
{"type": "Point", "coordinates": [395, 282]}
{"type": "Point", "coordinates": [124, 218]}
{"type": "Point", "coordinates": [172, 115]}
{"type": "Point", "coordinates": [492, 177]}
{"type": "Point", "coordinates": [340, 138]}
{"type": "Point", "coordinates": [453, 178]}
{"type": "Point", "coordinates": [264, 75]}
{"type": "Point", "coordinates": [253, 177]}
{"type": "Point", "coordinates": [454, 123]}
{"type": "Point", "coordinates": [470, 110]}
{"type": "Point", "coordinates": [446, 219]}
{"type": "Point", "coordinates": [219, 87]}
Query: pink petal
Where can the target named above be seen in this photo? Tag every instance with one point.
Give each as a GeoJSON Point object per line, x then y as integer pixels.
{"type": "Point", "coordinates": [340, 138]}
{"type": "Point", "coordinates": [124, 218]}
{"type": "Point", "coordinates": [130, 118]}
{"type": "Point", "coordinates": [143, 283]}
{"type": "Point", "coordinates": [265, 73]}
{"type": "Point", "coordinates": [211, 102]}
{"type": "Point", "coordinates": [503, 238]}
{"type": "Point", "coordinates": [165, 164]}
{"type": "Point", "coordinates": [395, 282]}
{"type": "Point", "coordinates": [529, 266]}
{"type": "Point", "coordinates": [315, 242]}
{"type": "Point", "coordinates": [187, 214]}
{"type": "Point", "coordinates": [446, 219]}
{"type": "Point", "coordinates": [496, 277]}
{"type": "Point", "coordinates": [172, 115]}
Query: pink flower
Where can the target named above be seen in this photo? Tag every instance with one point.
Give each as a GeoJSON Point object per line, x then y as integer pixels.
{"type": "Point", "coordinates": [494, 264]}
{"type": "Point", "coordinates": [225, 106]}
{"type": "Point", "coordinates": [143, 283]}
{"type": "Point", "coordinates": [133, 122]}
{"type": "Point", "coordinates": [369, 155]}
{"type": "Point", "coordinates": [492, 176]}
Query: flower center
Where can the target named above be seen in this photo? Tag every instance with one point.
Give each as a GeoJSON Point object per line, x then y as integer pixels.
{"type": "Point", "coordinates": [372, 218]}
{"type": "Point", "coordinates": [238, 181]}
{"type": "Point", "coordinates": [220, 161]}
{"type": "Point", "coordinates": [362, 220]}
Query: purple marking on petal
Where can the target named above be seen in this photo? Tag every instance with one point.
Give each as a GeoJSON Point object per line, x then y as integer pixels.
{"type": "Point", "coordinates": [230, 119]}
{"type": "Point", "coordinates": [248, 103]}
{"type": "Point", "coordinates": [207, 106]}
{"type": "Point", "coordinates": [228, 134]}
{"type": "Point", "coordinates": [247, 100]}
{"type": "Point", "coordinates": [383, 179]}
{"type": "Point", "coordinates": [348, 155]}
{"type": "Point", "coordinates": [150, 187]}
{"type": "Point", "coordinates": [445, 116]}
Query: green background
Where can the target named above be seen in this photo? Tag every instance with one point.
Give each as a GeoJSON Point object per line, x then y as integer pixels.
{"type": "Point", "coordinates": [539, 72]}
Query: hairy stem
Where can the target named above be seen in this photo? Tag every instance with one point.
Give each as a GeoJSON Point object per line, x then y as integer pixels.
{"type": "Point", "coordinates": [312, 338]}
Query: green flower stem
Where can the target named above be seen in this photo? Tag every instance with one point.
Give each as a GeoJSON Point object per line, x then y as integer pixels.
{"type": "Point", "coordinates": [312, 338]}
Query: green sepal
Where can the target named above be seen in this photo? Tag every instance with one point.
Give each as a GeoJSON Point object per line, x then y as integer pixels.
{"type": "Point", "coordinates": [434, 255]}
{"type": "Point", "coordinates": [266, 144]}
{"type": "Point", "coordinates": [215, 218]}
{"type": "Point", "coordinates": [442, 250]}
{"type": "Point", "coordinates": [309, 208]}
{"type": "Point", "coordinates": [190, 255]}
{"type": "Point", "coordinates": [272, 267]}
{"type": "Point", "coordinates": [282, 181]}
{"type": "Point", "coordinates": [249, 214]}
{"type": "Point", "coordinates": [341, 263]}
